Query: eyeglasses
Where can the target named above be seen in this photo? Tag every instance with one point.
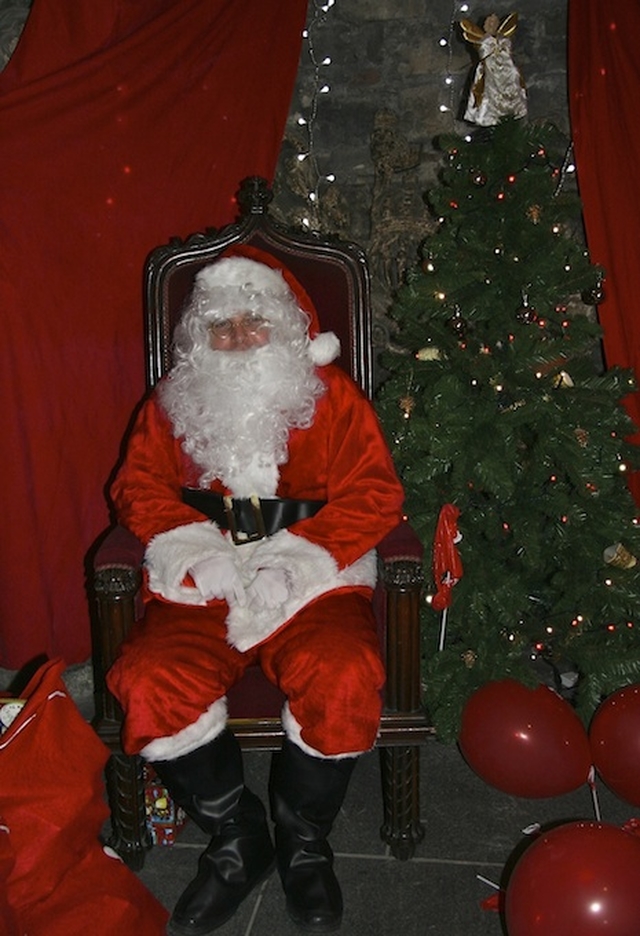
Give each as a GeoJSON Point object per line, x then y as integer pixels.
{"type": "Point", "coordinates": [250, 324]}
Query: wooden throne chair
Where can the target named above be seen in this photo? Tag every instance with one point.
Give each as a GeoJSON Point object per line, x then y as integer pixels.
{"type": "Point", "coordinates": [335, 274]}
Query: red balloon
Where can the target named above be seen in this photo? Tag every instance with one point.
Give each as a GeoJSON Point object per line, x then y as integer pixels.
{"type": "Point", "coordinates": [579, 879]}
{"type": "Point", "coordinates": [615, 743]}
{"type": "Point", "coordinates": [526, 742]}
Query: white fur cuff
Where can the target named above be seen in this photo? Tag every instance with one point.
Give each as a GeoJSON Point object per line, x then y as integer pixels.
{"type": "Point", "coordinates": [170, 555]}
{"type": "Point", "coordinates": [210, 724]}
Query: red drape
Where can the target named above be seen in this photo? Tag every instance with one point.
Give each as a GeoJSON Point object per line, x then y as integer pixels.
{"type": "Point", "coordinates": [604, 78]}
{"type": "Point", "coordinates": [123, 123]}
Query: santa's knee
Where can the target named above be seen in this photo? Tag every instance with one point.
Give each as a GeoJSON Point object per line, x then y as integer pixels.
{"type": "Point", "coordinates": [337, 719]}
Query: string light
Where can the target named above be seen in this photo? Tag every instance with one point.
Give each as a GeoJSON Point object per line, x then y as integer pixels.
{"type": "Point", "coordinates": [448, 104]}
{"type": "Point", "coordinates": [320, 87]}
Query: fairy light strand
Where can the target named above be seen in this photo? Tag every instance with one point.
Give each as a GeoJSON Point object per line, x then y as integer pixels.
{"type": "Point", "coordinates": [320, 89]}
{"type": "Point", "coordinates": [447, 43]}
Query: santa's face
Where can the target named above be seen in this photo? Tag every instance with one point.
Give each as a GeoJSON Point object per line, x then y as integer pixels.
{"type": "Point", "coordinates": [239, 332]}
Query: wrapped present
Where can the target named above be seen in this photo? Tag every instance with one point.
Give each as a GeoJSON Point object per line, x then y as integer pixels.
{"type": "Point", "coordinates": [164, 818]}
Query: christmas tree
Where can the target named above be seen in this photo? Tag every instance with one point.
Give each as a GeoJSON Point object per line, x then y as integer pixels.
{"type": "Point", "coordinates": [495, 402]}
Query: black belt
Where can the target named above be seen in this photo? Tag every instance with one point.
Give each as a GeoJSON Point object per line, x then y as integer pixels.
{"type": "Point", "coordinates": [250, 518]}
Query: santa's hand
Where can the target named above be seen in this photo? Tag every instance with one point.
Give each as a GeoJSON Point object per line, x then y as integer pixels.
{"type": "Point", "coordinates": [269, 589]}
{"type": "Point", "coordinates": [217, 577]}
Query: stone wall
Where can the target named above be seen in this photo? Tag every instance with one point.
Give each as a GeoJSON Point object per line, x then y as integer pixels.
{"type": "Point", "coordinates": [394, 64]}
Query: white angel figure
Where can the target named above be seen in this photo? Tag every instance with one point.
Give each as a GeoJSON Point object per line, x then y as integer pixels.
{"type": "Point", "coordinates": [498, 88]}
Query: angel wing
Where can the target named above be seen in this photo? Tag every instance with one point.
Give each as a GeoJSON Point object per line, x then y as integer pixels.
{"type": "Point", "coordinates": [508, 25]}
{"type": "Point", "coordinates": [471, 32]}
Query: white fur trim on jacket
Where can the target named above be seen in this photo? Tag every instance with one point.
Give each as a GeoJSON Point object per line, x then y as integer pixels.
{"type": "Point", "coordinates": [207, 727]}
{"type": "Point", "coordinates": [311, 572]}
{"type": "Point", "coordinates": [324, 348]}
{"type": "Point", "coordinates": [171, 554]}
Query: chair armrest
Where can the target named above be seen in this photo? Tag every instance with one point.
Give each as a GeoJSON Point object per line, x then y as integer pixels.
{"type": "Point", "coordinates": [117, 566]}
{"type": "Point", "coordinates": [120, 549]}
{"type": "Point", "coordinates": [401, 544]}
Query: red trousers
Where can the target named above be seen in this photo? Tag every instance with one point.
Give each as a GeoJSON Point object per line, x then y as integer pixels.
{"type": "Point", "coordinates": [176, 662]}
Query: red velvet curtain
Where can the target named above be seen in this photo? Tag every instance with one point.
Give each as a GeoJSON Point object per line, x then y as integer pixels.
{"type": "Point", "coordinates": [123, 123]}
{"type": "Point", "coordinates": [604, 78]}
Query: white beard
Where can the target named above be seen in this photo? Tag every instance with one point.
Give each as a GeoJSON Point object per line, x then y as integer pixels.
{"type": "Point", "coordinates": [234, 410]}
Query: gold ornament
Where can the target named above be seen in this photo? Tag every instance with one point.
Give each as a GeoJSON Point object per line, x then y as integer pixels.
{"type": "Point", "coordinates": [407, 404]}
{"type": "Point", "coordinates": [582, 436]}
{"type": "Point", "coordinates": [469, 658]}
{"type": "Point", "coordinates": [534, 213]}
{"type": "Point", "coordinates": [619, 556]}
{"type": "Point", "coordinates": [430, 353]}
{"type": "Point", "coordinates": [563, 379]}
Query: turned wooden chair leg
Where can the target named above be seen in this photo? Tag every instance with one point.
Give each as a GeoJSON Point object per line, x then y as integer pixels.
{"type": "Point", "coordinates": [130, 836]}
{"type": "Point", "coordinates": [402, 829]}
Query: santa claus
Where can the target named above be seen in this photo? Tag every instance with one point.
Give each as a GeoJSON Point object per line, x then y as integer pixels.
{"type": "Point", "coordinates": [258, 479]}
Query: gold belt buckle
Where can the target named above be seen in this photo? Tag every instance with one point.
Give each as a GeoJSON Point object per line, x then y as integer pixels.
{"type": "Point", "coordinates": [239, 537]}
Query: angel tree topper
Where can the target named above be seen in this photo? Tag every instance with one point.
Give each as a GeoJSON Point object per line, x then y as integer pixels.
{"type": "Point", "coordinates": [498, 88]}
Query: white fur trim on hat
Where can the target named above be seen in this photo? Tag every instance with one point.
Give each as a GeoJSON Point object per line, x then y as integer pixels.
{"type": "Point", "coordinates": [324, 348]}
{"type": "Point", "coordinates": [241, 271]}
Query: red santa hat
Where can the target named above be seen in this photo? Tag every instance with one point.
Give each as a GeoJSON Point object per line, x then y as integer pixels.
{"type": "Point", "coordinates": [253, 270]}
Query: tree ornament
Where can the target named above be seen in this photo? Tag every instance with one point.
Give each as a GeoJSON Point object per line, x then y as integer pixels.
{"type": "Point", "coordinates": [595, 295]}
{"type": "Point", "coordinates": [526, 313]}
{"type": "Point", "coordinates": [457, 322]}
{"type": "Point", "coordinates": [469, 658]}
{"type": "Point", "coordinates": [429, 353]}
{"type": "Point", "coordinates": [534, 213]}
{"type": "Point", "coordinates": [539, 156]}
{"type": "Point", "coordinates": [407, 405]}
{"type": "Point", "coordinates": [563, 379]}
{"type": "Point", "coordinates": [619, 556]}
{"type": "Point", "coordinates": [497, 88]}
{"type": "Point", "coordinates": [582, 436]}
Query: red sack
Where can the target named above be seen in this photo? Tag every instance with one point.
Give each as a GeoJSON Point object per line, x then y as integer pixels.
{"type": "Point", "coordinates": [8, 923]}
{"type": "Point", "coordinates": [100, 896]}
{"type": "Point", "coordinates": [52, 801]}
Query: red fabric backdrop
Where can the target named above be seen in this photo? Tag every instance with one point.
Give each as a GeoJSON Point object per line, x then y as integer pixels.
{"type": "Point", "coordinates": [123, 123]}
{"type": "Point", "coordinates": [604, 78]}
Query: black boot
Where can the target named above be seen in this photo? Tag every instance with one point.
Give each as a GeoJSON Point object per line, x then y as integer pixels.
{"type": "Point", "coordinates": [306, 795]}
{"type": "Point", "coordinates": [208, 783]}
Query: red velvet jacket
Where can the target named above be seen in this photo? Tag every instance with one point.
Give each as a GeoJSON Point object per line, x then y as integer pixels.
{"type": "Point", "coordinates": [342, 458]}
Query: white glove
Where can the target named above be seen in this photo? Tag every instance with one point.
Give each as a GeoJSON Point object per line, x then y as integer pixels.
{"type": "Point", "coordinates": [217, 577]}
{"type": "Point", "coordinates": [269, 588]}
